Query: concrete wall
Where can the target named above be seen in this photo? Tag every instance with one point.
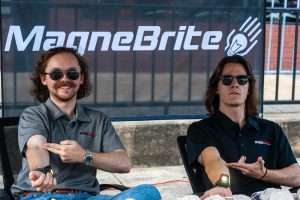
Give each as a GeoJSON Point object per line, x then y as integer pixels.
{"type": "Point", "coordinates": [153, 143]}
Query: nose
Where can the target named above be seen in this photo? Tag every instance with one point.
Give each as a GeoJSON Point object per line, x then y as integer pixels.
{"type": "Point", "coordinates": [234, 82]}
{"type": "Point", "coordinates": [65, 77]}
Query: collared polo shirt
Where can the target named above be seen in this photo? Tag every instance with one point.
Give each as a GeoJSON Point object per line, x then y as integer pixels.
{"type": "Point", "coordinates": [258, 137]}
{"type": "Point", "coordinates": [90, 128]}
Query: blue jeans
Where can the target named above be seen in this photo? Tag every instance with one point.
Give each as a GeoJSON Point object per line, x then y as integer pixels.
{"type": "Point", "coordinates": [141, 192]}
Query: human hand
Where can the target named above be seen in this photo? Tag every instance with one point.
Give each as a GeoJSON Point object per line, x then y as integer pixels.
{"type": "Point", "coordinates": [255, 170]}
{"type": "Point", "coordinates": [68, 150]}
{"type": "Point", "coordinates": [224, 192]}
{"type": "Point", "coordinates": [42, 182]}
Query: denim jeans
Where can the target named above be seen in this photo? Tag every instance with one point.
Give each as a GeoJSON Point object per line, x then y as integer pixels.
{"type": "Point", "coordinates": [141, 192]}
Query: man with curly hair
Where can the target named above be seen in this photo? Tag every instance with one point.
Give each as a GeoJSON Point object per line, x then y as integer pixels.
{"type": "Point", "coordinates": [63, 143]}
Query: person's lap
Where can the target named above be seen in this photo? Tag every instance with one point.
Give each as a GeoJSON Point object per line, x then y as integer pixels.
{"type": "Point", "coordinates": [145, 192]}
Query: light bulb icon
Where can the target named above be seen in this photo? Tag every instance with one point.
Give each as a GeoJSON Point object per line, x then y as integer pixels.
{"type": "Point", "coordinates": [239, 43]}
{"type": "Point", "coordinates": [243, 41]}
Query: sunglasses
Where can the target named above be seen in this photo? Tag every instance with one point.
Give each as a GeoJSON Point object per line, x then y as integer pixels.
{"type": "Point", "coordinates": [241, 79]}
{"type": "Point", "coordinates": [57, 74]}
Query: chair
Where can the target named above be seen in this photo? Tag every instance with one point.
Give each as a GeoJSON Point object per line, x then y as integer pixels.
{"type": "Point", "coordinates": [198, 178]}
{"type": "Point", "coordinates": [11, 158]}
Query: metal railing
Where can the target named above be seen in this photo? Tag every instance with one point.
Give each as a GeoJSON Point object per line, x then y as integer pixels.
{"type": "Point", "coordinates": [282, 59]}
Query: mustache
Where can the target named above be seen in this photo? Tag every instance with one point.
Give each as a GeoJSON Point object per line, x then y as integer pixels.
{"type": "Point", "coordinates": [59, 84]}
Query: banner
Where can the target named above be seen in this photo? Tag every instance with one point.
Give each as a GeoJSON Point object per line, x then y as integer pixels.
{"type": "Point", "coordinates": [147, 59]}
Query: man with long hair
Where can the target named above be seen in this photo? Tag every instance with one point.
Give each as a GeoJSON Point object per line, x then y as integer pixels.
{"type": "Point", "coordinates": [63, 143]}
{"type": "Point", "coordinates": [240, 152]}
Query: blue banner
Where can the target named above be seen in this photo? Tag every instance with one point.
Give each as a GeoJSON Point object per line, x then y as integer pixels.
{"type": "Point", "coordinates": [147, 59]}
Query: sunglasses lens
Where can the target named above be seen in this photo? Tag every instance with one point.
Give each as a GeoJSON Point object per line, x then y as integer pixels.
{"type": "Point", "coordinates": [73, 74]}
{"type": "Point", "coordinates": [242, 80]}
{"type": "Point", "coordinates": [227, 80]}
{"type": "Point", "coordinates": [56, 74]}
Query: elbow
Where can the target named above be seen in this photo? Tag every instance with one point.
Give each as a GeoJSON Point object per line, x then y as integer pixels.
{"type": "Point", "coordinates": [126, 167]}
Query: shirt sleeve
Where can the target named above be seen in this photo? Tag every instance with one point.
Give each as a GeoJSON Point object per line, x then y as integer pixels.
{"type": "Point", "coordinates": [110, 139]}
{"type": "Point", "coordinates": [197, 140]}
{"type": "Point", "coordinates": [286, 156]}
{"type": "Point", "coordinates": [31, 123]}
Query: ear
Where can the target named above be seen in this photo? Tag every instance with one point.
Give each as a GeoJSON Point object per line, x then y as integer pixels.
{"type": "Point", "coordinates": [81, 79]}
{"type": "Point", "coordinates": [43, 79]}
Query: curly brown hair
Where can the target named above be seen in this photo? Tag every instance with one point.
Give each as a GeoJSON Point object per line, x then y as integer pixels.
{"type": "Point", "coordinates": [211, 98]}
{"type": "Point", "coordinates": [40, 91]}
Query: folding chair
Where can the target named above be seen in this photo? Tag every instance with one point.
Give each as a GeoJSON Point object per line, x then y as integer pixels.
{"type": "Point", "coordinates": [11, 158]}
{"type": "Point", "coordinates": [198, 178]}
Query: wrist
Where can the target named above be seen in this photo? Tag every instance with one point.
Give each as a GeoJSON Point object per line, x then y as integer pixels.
{"type": "Point", "coordinates": [264, 174]}
{"type": "Point", "coordinates": [223, 181]}
{"type": "Point", "coordinates": [45, 170]}
{"type": "Point", "coordinates": [88, 158]}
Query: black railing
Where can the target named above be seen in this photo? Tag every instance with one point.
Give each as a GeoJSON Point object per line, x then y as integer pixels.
{"type": "Point", "coordinates": [282, 64]}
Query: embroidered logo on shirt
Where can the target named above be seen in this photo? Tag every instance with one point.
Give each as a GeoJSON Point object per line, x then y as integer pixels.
{"type": "Point", "coordinates": [262, 142]}
{"type": "Point", "coordinates": [91, 134]}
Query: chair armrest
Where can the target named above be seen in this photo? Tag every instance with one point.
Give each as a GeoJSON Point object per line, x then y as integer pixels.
{"type": "Point", "coordinates": [114, 186]}
{"type": "Point", "coordinates": [4, 194]}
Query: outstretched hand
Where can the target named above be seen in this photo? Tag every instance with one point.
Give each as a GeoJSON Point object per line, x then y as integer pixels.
{"type": "Point", "coordinates": [68, 150]}
{"type": "Point", "coordinates": [255, 170]}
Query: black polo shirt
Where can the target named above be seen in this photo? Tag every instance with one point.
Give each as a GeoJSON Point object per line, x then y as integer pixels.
{"type": "Point", "coordinates": [258, 137]}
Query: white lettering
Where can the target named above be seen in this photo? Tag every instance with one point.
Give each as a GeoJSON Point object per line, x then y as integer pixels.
{"type": "Point", "coordinates": [140, 38]}
{"type": "Point", "coordinates": [164, 39]}
{"type": "Point", "coordinates": [211, 40]}
{"type": "Point", "coordinates": [58, 41]}
{"type": "Point", "coordinates": [82, 43]}
{"type": "Point", "coordinates": [146, 38]}
{"type": "Point", "coordinates": [189, 36]}
{"type": "Point", "coordinates": [15, 31]}
{"type": "Point", "coordinates": [94, 37]}
{"type": "Point", "coordinates": [122, 38]}
{"type": "Point", "coordinates": [179, 38]}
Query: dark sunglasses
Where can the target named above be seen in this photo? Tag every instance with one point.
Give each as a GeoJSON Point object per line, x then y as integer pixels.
{"type": "Point", "coordinates": [241, 79]}
{"type": "Point", "coordinates": [57, 74]}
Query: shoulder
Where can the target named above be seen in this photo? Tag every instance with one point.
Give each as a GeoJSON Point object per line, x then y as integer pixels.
{"type": "Point", "coordinates": [94, 114]}
{"type": "Point", "coordinates": [203, 122]}
{"type": "Point", "coordinates": [33, 112]}
{"type": "Point", "coordinates": [265, 123]}
{"type": "Point", "coordinates": [93, 111]}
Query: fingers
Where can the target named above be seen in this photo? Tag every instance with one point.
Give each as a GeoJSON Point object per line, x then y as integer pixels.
{"type": "Point", "coordinates": [38, 179]}
{"type": "Point", "coordinates": [49, 183]}
{"type": "Point", "coordinates": [242, 159]}
{"type": "Point", "coordinates": [67, 142]}
{"type": "Point", "coordinates": [42, 182]}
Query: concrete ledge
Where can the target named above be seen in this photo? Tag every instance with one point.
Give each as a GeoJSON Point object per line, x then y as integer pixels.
{"type": "Point", "coordinates": [153, 143]}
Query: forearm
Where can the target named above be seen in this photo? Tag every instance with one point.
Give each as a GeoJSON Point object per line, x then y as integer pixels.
{"type": "Point", "coordinates": [288, 176]}
{"type": "Point", "coordinates": [214, 169]}
{"type": "Point", "coordinates": [116, 161]}
{"type": "Point", "coordinates": [35, 155]}
{"type": "Point", "coordinates": [213, 164]}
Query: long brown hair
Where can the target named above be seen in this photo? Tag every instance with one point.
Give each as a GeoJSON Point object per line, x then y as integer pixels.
{"type": "Point", "coordinates": [40, 91]}
{"type": "Point", "coordinates": [211, 98]}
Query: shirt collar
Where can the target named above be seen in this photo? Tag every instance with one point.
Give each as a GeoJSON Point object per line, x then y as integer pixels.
{"type": "Point", "coordinates": [228, 124]}
{"type": "Point", "coordinates": [56, 113]}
